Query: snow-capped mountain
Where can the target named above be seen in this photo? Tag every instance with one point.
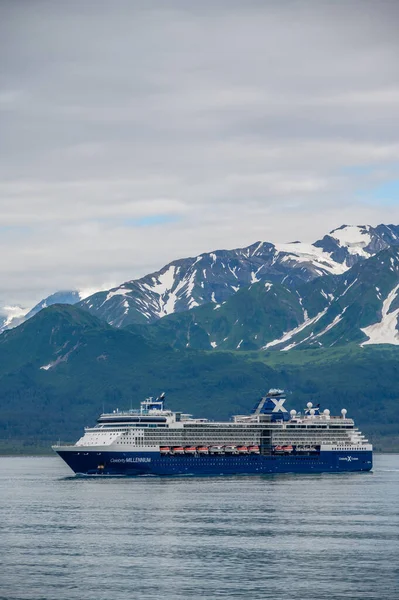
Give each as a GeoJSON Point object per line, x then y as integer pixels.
{"type": "Point", "coordinates": [63, 297]}
{"type": "Point", "coordinates": [364, 308]}
{"type": "Point", "coordinates": [360, 306]}
{"type": "Point", "coordinates": [12, 316]}
{"type": "Point", "coordinates": [211, 277]}
{"type": "Point", "coordinates": [248, 320]}
{"type": "Point", "coordinates": [349, 243]}
{"type": "Point", "coordinates": [214, 277]}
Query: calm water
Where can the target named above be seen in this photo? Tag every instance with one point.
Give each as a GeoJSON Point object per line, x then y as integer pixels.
{"type": "Point", "coordinates": [285, 537]}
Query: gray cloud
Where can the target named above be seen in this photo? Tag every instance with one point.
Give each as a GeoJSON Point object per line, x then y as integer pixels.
{"type": "Point", "coordinates": [237, 120]}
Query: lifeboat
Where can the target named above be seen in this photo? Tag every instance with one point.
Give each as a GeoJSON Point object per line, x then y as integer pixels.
{"type": "Point", "coordinates": [203, 450]}
{"type": "Point", "coordinates": [230, 449]}
{"type": "Point", "coordinates": [254, 449]}
{"type": "Point", "coordinates": [216, 449]}
{"type": "Point", "coordinates": [178, 450]}
{"type": "Point", "coordinates": [278, 448]}
{"type": "Point", "coordinates": [164, 449]}
{"type": "Point", "coordinates": [190, 450]}
{"type": "Point", "coordinates": [242, 449]}
{"type": "Point", "coordinates": [288, 448]}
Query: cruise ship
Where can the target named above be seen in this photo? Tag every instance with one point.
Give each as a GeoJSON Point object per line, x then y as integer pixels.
{"type": "Point", "coordinates": [156, 441]}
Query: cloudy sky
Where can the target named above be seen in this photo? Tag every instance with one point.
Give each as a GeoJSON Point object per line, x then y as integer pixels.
{"type": "Point", "coordinates": [133, 133]}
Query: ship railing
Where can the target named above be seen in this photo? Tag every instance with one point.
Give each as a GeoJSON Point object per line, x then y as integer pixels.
{"type": "Point", "coordinates": [63, 444]}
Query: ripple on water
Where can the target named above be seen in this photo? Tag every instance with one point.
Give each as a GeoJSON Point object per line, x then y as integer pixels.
{"type": "Point", "coordinates": [321, 537]}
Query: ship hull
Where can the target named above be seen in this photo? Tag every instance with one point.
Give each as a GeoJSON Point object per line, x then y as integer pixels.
{"type": "Point", "coordinates": [153, 463]}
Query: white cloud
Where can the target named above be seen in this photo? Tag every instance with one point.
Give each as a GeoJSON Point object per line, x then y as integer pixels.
{"type": "Point", "coordinates": [238, 120]}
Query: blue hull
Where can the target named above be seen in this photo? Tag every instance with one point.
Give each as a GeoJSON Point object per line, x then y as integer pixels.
{"type": "Point", "coordinates": [153, 463]}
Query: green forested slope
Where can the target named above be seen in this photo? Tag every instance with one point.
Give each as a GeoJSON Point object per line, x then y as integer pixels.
{"type": "Point", "coordinates": [91, 366]}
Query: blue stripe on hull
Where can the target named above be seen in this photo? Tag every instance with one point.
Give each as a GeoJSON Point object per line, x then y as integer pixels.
{"type": "Point", "coordinates": [152, 463]}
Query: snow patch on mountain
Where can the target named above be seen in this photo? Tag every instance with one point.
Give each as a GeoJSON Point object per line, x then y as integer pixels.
{"type": "Point", "coordinates": [90, 291]}
{"type": "Point", "coordinates": [60, 359]}
{"type": "Point", "coordinates": [354, 238]}
{"type": "Point", "coordinates": [311, 336]}
{"type": "Point", "coordinates": [289, 334]}
{"type": "Point", "coordinates": [117, 292]}
{"type": "Point", "coordinates": [305, 312]}
{"type": "Point", "coordinates": [163, 282]}
{"type": "Point", "coordinates": [385, 331]}
{"type": "Point", "coordinates": [333, 323]}
{"type": "Point", "coordinates": [349, 287]}
{"type": "Point", "coordinates": [308, 253]}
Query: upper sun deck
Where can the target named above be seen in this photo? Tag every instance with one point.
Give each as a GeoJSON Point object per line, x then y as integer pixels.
{"type": "Point", "coordinates": [151, 412]}
{"type": "Point", "coordinates": [149, 409]}
{"type": "Point", "coordinates": [269, 412]}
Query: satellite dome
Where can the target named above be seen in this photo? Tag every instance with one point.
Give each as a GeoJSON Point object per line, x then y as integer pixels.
{"type": "Point", "coordinates": [312, 411]}
{"type": "Point", "coordinates": [309, 405]}
{"type": "Point", "coordinates": [343, 412]}
{"type": "Point", "coordinates": [326, 412]}
{"type": "Point", "coordinates": [293, 412]}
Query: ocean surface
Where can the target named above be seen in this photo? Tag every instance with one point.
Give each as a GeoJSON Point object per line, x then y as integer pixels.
{"type": "Point", "coordinates": [283, 537]}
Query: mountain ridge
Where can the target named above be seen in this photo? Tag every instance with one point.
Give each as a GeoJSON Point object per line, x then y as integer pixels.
{"type": "Point", "coordinates": [361, 306]}
{"type": "Point", "coordinates": [215, 276]}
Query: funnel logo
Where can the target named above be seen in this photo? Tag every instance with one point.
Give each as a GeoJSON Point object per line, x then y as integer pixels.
{"type": "Point", "coordinates": [278, 405]}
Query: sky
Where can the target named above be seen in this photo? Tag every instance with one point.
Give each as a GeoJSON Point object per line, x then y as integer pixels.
{"type": "Point", "coordinates": [133, 133]}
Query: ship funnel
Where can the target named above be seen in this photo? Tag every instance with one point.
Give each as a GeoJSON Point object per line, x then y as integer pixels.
{"type": "Point", "coordinates": [272, 404]}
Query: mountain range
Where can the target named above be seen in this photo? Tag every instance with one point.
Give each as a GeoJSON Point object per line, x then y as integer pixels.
{"type": "Point", "coordinates": [215, 277]}
{"type": "Point", "coordinates": [360, 306]}
{"type": "Point", "coordinates": [320, 320]}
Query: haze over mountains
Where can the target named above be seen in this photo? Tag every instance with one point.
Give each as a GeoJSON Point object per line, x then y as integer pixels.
{"type": "Point", "coordinates": [12, 316]}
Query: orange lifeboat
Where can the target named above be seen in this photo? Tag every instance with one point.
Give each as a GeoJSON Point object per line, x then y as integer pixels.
{"type": "Point", "coordinates": [242, 449]}
{"type": "Point", "coordinates": [178, 450]}
{"type": "Point", "coordinates": [203, 450]}
{"type": "Point", "coordinates": [288, 448]}
{"type": "Point", "coordinates": [164, 449]}
{"type": "Point", "coordinates": [254, 449]}
{"type": "Point", "coordinates": [190, 450]}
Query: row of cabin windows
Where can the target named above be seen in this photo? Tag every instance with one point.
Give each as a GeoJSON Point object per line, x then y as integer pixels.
{"type": "Point", "coordinates": [255, 427]}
